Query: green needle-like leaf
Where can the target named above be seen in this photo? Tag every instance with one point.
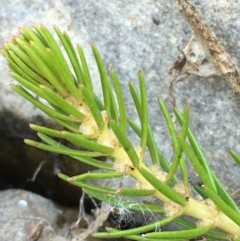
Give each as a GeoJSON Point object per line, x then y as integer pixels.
{"type": "Point", "coordinates": [120, 99]}
{"type": "Point", "coordinates": [185, 234]}
{"type": "Point", "coordinates": [46, 71]}
{"type": "Point", "coordinates": [198, 152]}
{"type": "Point", "coordinates": [96, 175]}
{"type": "Point", "coordinates": [170, 125]}
{"type": "Point", "coordinates": [86, 74]}
{"type": "Point", "coordinates": [161, 187]}
{"type": "Point", "coordinates": [57, 100]}
{"type": "Point", "coordinates": [30, 35]}
{"type": "Point", "coordinates": [156, 154]}
{"type": "Point", "coordinates": [89, 186]}
{"type": "Point", "coordinates": [224, 194]}
{"type": "Point", "coordinates": [96, 113]}
{"type": "Point", "coordinates": [198, 167]}
{"type": "Point", "coordinates": [28, 84]}
{"type": "Point", "coordinates": [136, 98]}
{"type": "Point", "coordinates": [67, 43]}
{"type": "Point", "coordinates": [154, 208]}
{"type": "Point", "coordinates": [83, 158]}
{"type": "Point", "coordinates": [235, 156]}
{"type": "Point", "coordinates": [82, 141]}
{"type": "Point", "coordinates": [201, 191]}
{"type": "Point", "coordinates": [41, 106]}
{"type": "Point", "coordinates": [125, 142]}
{"type": "Point", "coordinates": [60, 150]}
{"type": "Point", "coordinates": [77, 139]}
{"type": "Point", "coordinates": [178, 154]}
{"type": "Point", "coordinates": [71, 126]}
{"type": "Point", "coordinates": [113, 106]}
{"type": "Point", "coordinates": [144, 111]}
{"type": "Point", "coordinates": [141, 238]}
{"type": "Point", "coordinates": [133, 192]}
{"type": "Point", "coordinates": [113, 233]}
{"type": "Point", "coordinates": [215, 183]}
{"type": "Point", "coordinates": [94, 162]}
{"type": "Point", "coordinates": [104, 79]}
{"type": "Point", "coordinates": [60, 61]}
{"type": "Point", "coordinates": [214, 234]}
{"type": "Point", "coordinates": [26, 72]}
{"type": "Point", "coordinates": [26, 69]}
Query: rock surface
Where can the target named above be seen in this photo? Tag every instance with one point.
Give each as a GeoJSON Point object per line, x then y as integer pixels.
{"type": "Point", "coordinates": [143, 35]}
{"type": "Point", "coordinates": [21, 211]}
{"type": "Point", "coordinates": [27, 216]}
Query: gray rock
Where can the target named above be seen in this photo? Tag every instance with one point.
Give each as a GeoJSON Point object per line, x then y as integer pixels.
{"type": "Point", "coordinates": [27, 216]}
{"type": "Point", "coordinates": [22, 212]}
{"type": "Point", "coordinates": [144, 35]}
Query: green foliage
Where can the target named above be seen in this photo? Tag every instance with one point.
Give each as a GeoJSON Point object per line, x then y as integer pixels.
{"type": "Point", "coordinates": [38, 64]}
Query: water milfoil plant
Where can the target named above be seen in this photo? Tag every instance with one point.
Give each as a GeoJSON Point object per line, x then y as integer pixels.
{"type": "Point", "coordinates": [100, 126]}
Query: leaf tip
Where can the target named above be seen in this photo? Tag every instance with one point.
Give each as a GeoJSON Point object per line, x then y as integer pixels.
{"type": "Point", "coordinates": [31, 125]}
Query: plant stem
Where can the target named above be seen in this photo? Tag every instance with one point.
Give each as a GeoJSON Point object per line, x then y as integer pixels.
{"type": "Point", "coordinates": [205, 212]}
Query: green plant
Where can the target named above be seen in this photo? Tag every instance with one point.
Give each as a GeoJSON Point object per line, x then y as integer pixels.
{"type": "Point", "coordinates": [38, 64]}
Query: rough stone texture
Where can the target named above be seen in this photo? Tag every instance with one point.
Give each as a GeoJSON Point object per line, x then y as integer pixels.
{"type": "Point", "coordinates": [23, 213]}
{"type": "Point", "coordinates": [144, 35]}
{"type": "Point", "coordinates": [21, 210]}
